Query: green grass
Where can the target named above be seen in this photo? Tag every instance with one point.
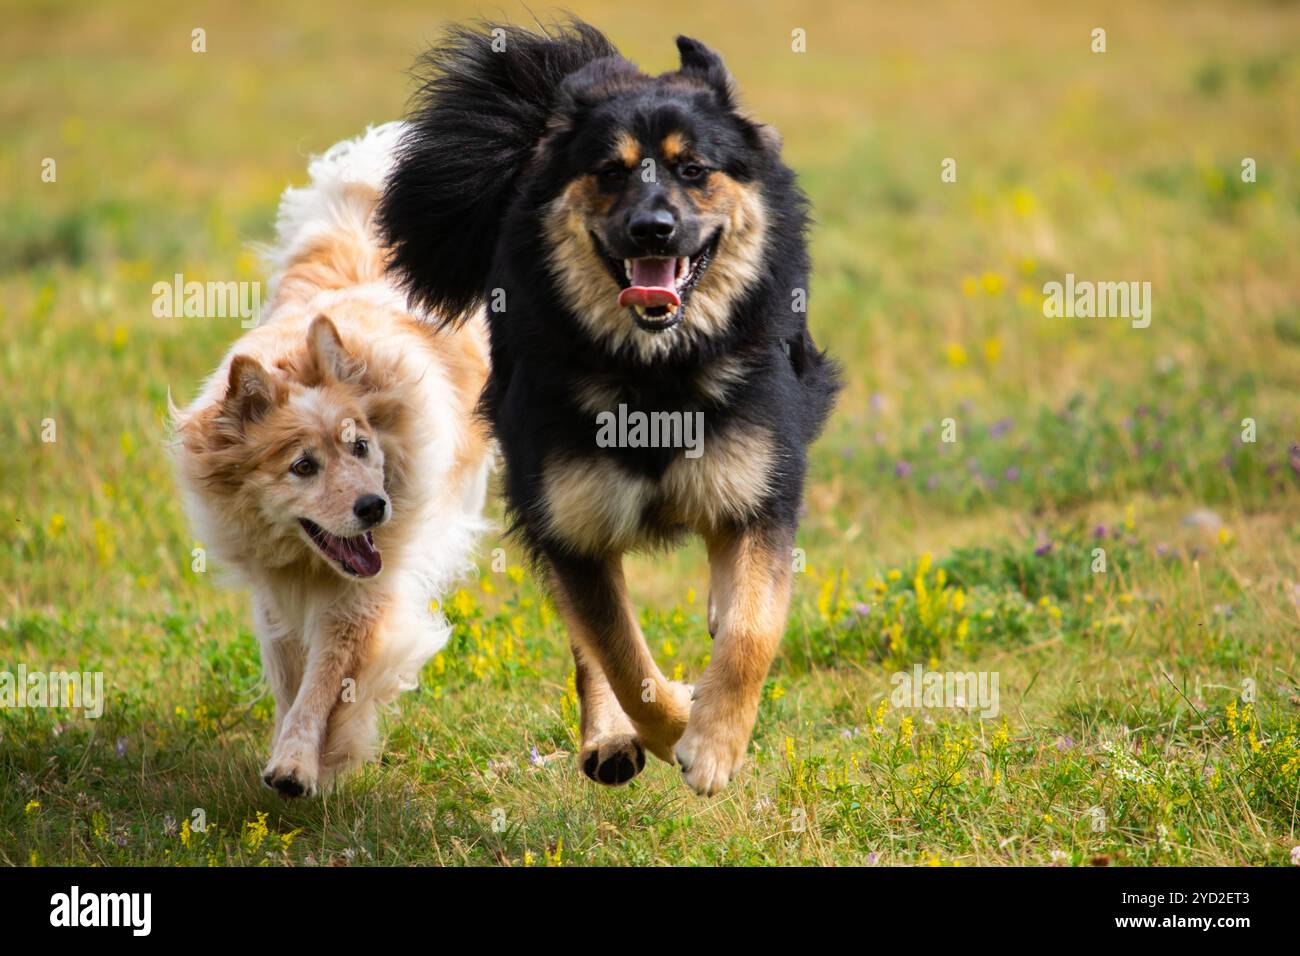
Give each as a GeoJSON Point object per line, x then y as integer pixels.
{"type": "Point", "coordinates": [1148, 714]}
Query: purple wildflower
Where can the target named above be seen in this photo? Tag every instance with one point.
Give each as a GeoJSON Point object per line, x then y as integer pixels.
{"type": "Point", "coordinates": [1001, 427]}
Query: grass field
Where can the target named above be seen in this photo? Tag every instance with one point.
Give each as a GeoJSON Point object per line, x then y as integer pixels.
{"type": "Point", "coordinates": [1148, 714]}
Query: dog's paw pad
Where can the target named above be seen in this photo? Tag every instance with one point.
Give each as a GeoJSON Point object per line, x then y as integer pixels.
{"type": "Point", "coordinates": [614, 761]}
{"type": "Point", "coordinates": [289, 783]}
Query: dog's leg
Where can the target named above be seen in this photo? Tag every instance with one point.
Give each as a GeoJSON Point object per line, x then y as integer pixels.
{"type": "Point", "coordinates": [720, 577]}
{"type": "Point", "coordinates": [592, 597]}
{"type": "Point", "coordinates": [333, 654]}
{"type": "Point", "coordinates": [610, 752]}
{"type": "Point", "coordinates": [751, 591]}
{"type": "Point", "coordinates": [282, 658]}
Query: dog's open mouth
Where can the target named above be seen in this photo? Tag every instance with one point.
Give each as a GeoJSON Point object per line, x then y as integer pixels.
{"type": "Point", "coordinates": [357, 556]}
{"type": "Point", "coordinates": [655, 288]}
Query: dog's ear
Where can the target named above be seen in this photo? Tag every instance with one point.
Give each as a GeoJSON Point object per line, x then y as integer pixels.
{"type": "Point", "coordinates": [250, 392]}
{"type": "Point", "coordinates": [703, 63]}
{"type": "Point", "coordinates": [327, 355]}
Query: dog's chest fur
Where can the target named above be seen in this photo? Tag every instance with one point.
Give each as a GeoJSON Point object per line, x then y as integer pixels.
{"type": "Point", "coordinates": [603, 500]}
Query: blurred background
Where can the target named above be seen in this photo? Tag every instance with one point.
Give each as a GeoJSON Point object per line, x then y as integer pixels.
{"type": "Point", "coordinates": [1122, 165]}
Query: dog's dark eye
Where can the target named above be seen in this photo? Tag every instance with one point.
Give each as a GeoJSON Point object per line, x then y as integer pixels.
{"type": "Point", "coordinates": [691, 171]}
{"type": "Point", "coordinates": [612, 175]}
{"type": "Point", "coordinates": [304, 467]}
{"type": "Point", "coordinates": [361, 448]}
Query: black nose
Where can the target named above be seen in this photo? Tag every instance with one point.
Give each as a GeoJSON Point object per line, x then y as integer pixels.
{"type": "Point", "coordinates": [650, 227]}
{"type": "Point", "coordinates": [370, 509]}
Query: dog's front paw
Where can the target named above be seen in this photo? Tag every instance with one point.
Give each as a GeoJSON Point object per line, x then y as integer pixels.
{"type": "Point", "coordinates": [710, 753]}
{"type": "Point", "coordinates": [292, 776]}
{"type": "Point", "coordinates": [613, 759]}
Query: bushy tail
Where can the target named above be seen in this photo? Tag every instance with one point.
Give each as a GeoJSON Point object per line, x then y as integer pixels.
{"type": "Point", "coordinates": [335, 208]}
{"type": "Point", "coordinates": [484, 98]}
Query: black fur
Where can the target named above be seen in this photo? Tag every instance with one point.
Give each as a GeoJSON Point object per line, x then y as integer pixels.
{"type": "Point", "coordinates": [477, 117]}
{"type": "Point", "coordinates": [496, 137]}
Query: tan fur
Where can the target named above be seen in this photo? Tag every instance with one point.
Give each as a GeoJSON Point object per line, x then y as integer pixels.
{"type": "Point", "coordinates": [749, 599]}
{"type": "Point", "coordinates": [593, 504]}
{"type": "Point", "coordinates": [337, 261]}
{"type": "Point", "coordinates": [715, 380]}
{"type": "Point", "coordinates": [672, 147]}
{"type": "Point", "coordinates": [657, 708]}
{"type": "Point", "coordinates": [593, 294]}
{"type": "Point", "coordinates": [338, 354]}
{"type": "Point", "coordinates": [627, 149]}
{"type": "Point", "coordinates": [597, 508]}
{"type": "Point", "coordinates": [725, 484]}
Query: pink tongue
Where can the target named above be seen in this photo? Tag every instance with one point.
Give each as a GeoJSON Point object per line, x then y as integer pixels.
{"type": "Point", "coordinates": [364, 557]}
{"type": "Point", "coordinates": [360, 553]}
{"type": "Point", "coordinates": [653, 281]}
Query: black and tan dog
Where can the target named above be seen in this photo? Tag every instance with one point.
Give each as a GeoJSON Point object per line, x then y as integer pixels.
{"type": "Point", "coordinates": [639, 244]}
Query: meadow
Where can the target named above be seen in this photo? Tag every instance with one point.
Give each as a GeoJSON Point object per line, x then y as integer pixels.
{"type": "Point", "coordinates": [1149, 706]}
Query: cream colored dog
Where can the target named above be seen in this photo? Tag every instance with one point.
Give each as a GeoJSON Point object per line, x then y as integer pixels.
{"type": "Point", "coordinates": [333, 462]}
